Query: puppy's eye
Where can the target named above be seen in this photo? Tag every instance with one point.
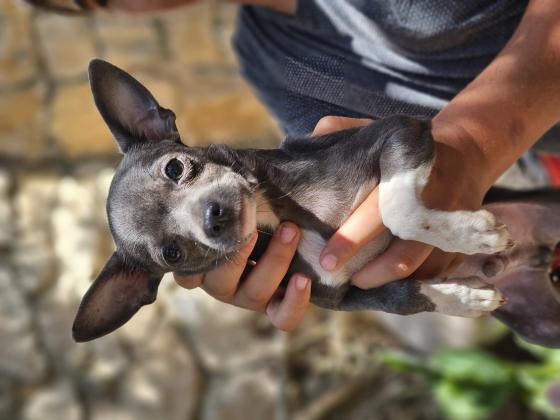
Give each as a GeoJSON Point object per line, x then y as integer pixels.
{"type": "Point", "coordinates": [174, 169]}
{"type": "Point", "coordinates": [171, 254]}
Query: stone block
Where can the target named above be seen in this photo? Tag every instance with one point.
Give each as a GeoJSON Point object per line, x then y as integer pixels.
{"type": "Point", "coordinates": [19, 358]}
{"type": "Point", "coordinates": [8, 398]}
{"type": "Point", "coordinates": [6, 221]}
{"type": "Point", "coordinates": [222, 109]}
{"type": "Point", "coordinates": [75, 237]}
{"type": "Point", "coordinates": [224, 30]}
{"type": "Point", "coordinates": [33, 256]}
{"type": "Point", "coordinates": [21, 134]}
{"type": "Point", "coordinates": [164, 382]}
{"type": "Point", "coordinates": [192, 39]}
{"type": "Point", "coordinates": [245, 395]}
{"type": "Point", "coordinates": [76, 125]}
{"type": "Point", "coordinates": [67, 44]}
{"type": "Point", "coordinates": [54, 402]}
{"type": "Point", "coordinates": [226, 336]}
{"type": "Point", "coordinates": [127, 40]}
{"type": "Point", "coordinates": [103, 411]}
{"type": "Point", "coordinates": [17, 55]}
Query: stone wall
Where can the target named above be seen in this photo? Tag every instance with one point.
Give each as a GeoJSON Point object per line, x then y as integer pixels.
{"type": "Point", "coordinates": [187, 356]}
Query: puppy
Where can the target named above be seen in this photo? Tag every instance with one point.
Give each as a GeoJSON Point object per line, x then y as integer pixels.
{"type": "Point", "coordinates": [188, 209]}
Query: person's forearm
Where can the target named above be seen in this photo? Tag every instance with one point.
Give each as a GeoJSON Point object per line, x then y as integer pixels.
{"type": "Point", "coordinates": [284, 6]}
{"type": "Point", "coordinates": [515, 99]}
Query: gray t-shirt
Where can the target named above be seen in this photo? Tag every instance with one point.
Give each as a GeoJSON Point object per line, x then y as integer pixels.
{"type": "Point", "coordinates": [369, 57]}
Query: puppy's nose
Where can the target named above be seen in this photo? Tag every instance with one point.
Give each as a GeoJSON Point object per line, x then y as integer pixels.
{"type": "Point", "coordinates": [217, 218]}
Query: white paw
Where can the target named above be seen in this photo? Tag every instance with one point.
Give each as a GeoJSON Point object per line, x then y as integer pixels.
{"type": "Point", "coordinates": [468, 297]}
{"type": "Point", "coordinates": [482, 234]}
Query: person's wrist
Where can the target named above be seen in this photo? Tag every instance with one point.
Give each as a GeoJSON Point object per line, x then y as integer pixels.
{"type": "Point", "coordinates": [462, 146]}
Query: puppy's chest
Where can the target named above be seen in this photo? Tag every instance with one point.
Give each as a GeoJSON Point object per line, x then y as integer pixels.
{"type": "Point", "coordinates": [334, 211]}
{"type": "Point", "coordinates": [312, 244]}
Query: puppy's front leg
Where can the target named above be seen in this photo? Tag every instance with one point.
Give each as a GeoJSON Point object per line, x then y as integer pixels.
{"type": "Point", "coordinates": [406, 160]}
{"type": "Point", "coordinates": [467, 232]}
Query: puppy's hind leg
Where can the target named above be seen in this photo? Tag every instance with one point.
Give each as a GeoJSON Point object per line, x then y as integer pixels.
{"type": "Point", "coordinates": [405, 166]}
{"type": "Point", "coordinates": [466, 297]}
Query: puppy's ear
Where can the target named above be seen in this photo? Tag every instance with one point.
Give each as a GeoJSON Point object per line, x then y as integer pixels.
{"type": "Point", "coordinates": [116, 295]}
{"type": "Point", "coordinates": [129, 109]}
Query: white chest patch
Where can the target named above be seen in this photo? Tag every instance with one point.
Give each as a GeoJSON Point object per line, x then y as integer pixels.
{"type": "Point", "coordinates": [312, 244]}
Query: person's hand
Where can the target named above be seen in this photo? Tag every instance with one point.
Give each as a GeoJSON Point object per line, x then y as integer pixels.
{"type": "Point", "coordinates": [259, 291]}
{"type": "Point", "coordinates": [452, 186]}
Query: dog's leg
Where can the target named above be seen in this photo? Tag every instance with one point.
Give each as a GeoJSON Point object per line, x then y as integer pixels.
{"type": "Point", "coordinates": [467, 297]}
{"type": "Point", "coordinates": [406, 161]}
{"type": "Point", "coordinates": [467, 232]}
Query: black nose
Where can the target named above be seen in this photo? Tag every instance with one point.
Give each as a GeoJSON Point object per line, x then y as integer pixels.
{"type": "Point", "coordinates": [217, 218]}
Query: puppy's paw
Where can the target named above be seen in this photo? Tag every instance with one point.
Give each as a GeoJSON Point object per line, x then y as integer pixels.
{"type": "Point", "coordinates": [468, 297]}
{"type": "Point", "coordinates": [478, 233]}
{"type": "Point", "coordinates": [492, 237]}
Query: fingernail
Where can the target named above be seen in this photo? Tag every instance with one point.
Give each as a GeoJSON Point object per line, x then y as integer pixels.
{"type": "Point", "coordinates": [328, 262]}
{"type": "Point", "coordinates": [287, 233]}
{"type": "Point", "coordinates": [301, 282]}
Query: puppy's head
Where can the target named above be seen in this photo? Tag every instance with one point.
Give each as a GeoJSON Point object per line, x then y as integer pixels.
{"type": "Point", "coordinates": [170, 207]}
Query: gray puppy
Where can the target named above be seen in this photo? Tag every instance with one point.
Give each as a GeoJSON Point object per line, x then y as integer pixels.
{"type": "Point", "coordinates": [187, 209]}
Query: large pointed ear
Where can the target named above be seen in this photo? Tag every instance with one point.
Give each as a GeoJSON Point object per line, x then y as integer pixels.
{"type": "Point", "coordinates": [129, 109]}
{"type": "Point", "coordinates": [116, 295]}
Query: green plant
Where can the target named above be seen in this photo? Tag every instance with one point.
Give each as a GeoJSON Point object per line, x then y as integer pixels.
{"type": "Point", "coordinates": [470, 384]}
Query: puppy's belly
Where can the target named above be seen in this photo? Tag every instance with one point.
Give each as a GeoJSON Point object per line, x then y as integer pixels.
{"type": "Point", "coordinates": [312, 244]}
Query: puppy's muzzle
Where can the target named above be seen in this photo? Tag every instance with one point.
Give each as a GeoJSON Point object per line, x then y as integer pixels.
{"type": "Point", "coordinates": [218, 219]}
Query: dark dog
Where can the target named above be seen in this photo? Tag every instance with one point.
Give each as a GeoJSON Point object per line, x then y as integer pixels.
{"type": "Point", "coordinates": [177, 208]}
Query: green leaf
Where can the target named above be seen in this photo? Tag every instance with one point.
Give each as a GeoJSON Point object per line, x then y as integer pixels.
{"type": "Point", "coordinates": [551, 356]}
{"type": "Point", "coordinates": [468, 403]}
{"type": "Point", "coordinates": [404, 362]}
{"type": "Point", "coordinates": [471, 366]}
{"type": "Point", "coordinates": [541, 384]}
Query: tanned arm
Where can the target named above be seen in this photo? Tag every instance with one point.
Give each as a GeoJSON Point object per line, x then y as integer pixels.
{"type": "Point", "coordinates": [479, 134]}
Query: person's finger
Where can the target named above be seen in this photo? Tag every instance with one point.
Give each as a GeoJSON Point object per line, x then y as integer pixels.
{"type": "Point", "coordinates": [362, 226]}
{"type": "Point", "coordinates": [286, 312]}
{"type": "Point", "coordinates": [222, 282]}
{"type": "Point", "coordinates": [438, 264]}
{"type": "Point", "coordinates": [266, 276]}
{"type": "Point", "coordinates": [331, 124]}
{"type": "Point", "coordinates": [188, 282]}
{"type": "Point", "coordinates": [399, 261]}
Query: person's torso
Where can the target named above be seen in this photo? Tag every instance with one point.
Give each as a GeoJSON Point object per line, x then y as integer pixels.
{"type": "Point", "coordinates": [344, 52]}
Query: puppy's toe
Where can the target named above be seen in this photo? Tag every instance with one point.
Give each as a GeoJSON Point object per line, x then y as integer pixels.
{"type": "Point", "coordinates": [483, 221]}
{"type": "Point", "coordinates": [486, 236]}
{"type": "Point", "coordinates": [496, 240]}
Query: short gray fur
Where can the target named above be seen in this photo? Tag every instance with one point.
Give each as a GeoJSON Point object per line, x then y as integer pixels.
{"type": "Point", "coordinates": [147, 212]}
